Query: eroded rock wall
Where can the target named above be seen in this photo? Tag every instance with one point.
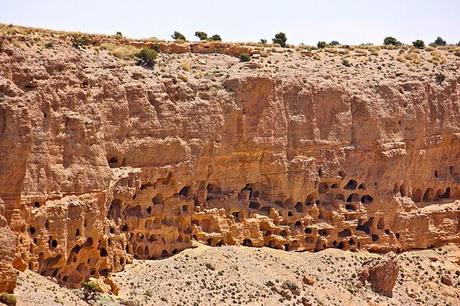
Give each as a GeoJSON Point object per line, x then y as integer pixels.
{"type": "Point", "coordinates": [103, 161]}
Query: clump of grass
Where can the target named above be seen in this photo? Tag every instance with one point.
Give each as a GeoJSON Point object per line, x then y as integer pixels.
{"type": "Point", "coordinates": [120, 51]}
{"type": "Point", "coordinates": [49, 45]}
{"type": "Point", "coordinates": [182, 77]}
{"type": "Point", "coordinates": [185, 66]}
{"type": "Point", "coordinates": [346, 62]}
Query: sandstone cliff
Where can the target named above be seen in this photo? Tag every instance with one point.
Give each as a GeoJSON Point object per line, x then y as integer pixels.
{"type": "Point", "coordinates": [103, 160]}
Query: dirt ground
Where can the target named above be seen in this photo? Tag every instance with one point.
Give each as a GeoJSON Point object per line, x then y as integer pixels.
{"type": "Point", "coordinates": [232, 275]}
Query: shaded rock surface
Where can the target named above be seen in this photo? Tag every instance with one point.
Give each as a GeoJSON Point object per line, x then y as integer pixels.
{"type": "Point", "coordinates": [7, 253]}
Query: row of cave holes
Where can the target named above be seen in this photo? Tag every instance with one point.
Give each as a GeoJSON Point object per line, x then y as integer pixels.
{"type": "Point", "coordinates": [142, 251]}
{"type": "Point", "coordinates": [419, 196]}
{"type": "Point", "coordinates": [429, 195]}
{"type": "Point", "coordinates": [452, 172]}
{"type": "Point", "coordinates": [52, 242]}
{"type": "Point", "coordinates": [345, 233]}
{"type": "Point", "coordinates": [114, 211]}
{"type": "Point", "coordinates": [350, 185]}
{"type": "Point", "coordinates": [311, 199]}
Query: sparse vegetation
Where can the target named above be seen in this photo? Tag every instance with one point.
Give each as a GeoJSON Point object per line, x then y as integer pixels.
{"type": "Point", "coordinates": [118, 35]}
{"type": "Point", "coordinates": [389, 40]}
{"type": "Point", "coordinates": [215, 37]}
{"type": "Point", "coordinates": [146, 57]}
{"type": "Point", "coordinates": [90, 286]}
{"type": "Point", "coordinates": [438, 42]}
{"type": "Point", "coordinates": [263, 41]}
{"type": "Point", "coordinates": [80, 41]}
{"type": "Point", "coordinates": [185, 66]}
{"type": "Point", "coordinates": [49, 45]}
{"type": "Point", "coordinates": [334, 43]}
{"type": "Point", "coordinates": [120, 50]}
{"type": "Point", "coordinates": [245, 57]}
{"type": "Point", "coordinates": [178, 36]}
{"type": "Point", "coordinates": [346, 63]}
{"type": "Point", "coordinates": [8, 299]}
{"type": "Point", "coordinates": [90, 290]}
{"type": "Point", "coordinates": [280, 39]}
{"type": "Point", "coordinates": [419, 44]}
{"type": "Point", "coordinates": [440, 77]}
{"type": "Point", "coordinates": [201, 35]}
{"type": "Point", "coordinates": [321, 44]}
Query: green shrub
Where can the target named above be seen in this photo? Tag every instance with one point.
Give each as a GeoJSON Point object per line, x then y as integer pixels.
{"type": "Point", "coordinates": [156, 47]}
{"type": "Point", "coordinates": [439, 42]}
{"type": "Point", "coordinates": [280, 39]}
{"type": "Point", "coordinates": [419, 44]}
{"type": "Point", "coordinates": [178, 36]}
{"type": "Point", "coordinates": [245, 57]}
{"type": "Point", "coordinates": [8, 299]}
{"type": "Point", "coordinates": [346, 63]}
{"type": "Point", "coordinates": [215, 37]}
{"type": "Point", "coordinates": [321, 44]}
{"type": "Point", "coordinates": [80, 41]}
{"type": "Point", "coordinates": [118, 35]}
{"type": "Point", "coordinates": [391, 41]}
{"type": "Point", "coordinates": [49, 45]}
{"type": "Point", "coordinates": [146, 57]}
{"type": "Point", "coordinates": [201, 35]}
{"type": "Point", "coordinates": [334, 43]}
{"type": "Point", "coordinates": [263, 41]}
{"type": "Point", "coordinates": [91, 286]}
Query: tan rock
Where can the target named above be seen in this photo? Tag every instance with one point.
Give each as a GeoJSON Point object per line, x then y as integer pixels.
{"type": "Point", "coordinates": [308, 280]}
{"type": "Point", "coordinates": [381, 274]}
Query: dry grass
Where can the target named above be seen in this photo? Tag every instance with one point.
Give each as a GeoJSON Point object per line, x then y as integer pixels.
{"type": "Point", "coordinates": [185, 65]}
{"type": "Point", "coordinates": [120, 51]}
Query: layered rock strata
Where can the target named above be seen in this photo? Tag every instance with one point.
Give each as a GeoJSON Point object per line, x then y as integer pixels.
{"type": "Point", "coordinates": [103, 161]}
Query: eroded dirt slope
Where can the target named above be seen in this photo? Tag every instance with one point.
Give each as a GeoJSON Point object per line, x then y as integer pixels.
{"type": "Point", "coordinates": [232, 275]}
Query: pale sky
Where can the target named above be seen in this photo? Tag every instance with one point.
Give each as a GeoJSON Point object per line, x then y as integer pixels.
{"type": "Point", "coordinates": [348, 21]}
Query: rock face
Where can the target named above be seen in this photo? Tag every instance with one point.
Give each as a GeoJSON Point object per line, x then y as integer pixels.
{"type": "Point", "coordinates": [382, 274]}
{"type": "Point", "coordinates": [103, 161]}
{"type": "Point", "coordinates": [7, 253]}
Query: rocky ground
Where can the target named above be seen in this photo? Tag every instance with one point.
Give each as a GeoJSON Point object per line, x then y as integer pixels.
{"type": "Point", "coordinates": [233, 275]}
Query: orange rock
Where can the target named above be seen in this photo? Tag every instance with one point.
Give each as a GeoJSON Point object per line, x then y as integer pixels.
{"type": "Point", "coordinates": [103, 161]}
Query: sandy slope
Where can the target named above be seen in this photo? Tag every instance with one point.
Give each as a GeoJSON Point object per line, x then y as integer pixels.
{"type": "Point", "coordinates": [233, 275]}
